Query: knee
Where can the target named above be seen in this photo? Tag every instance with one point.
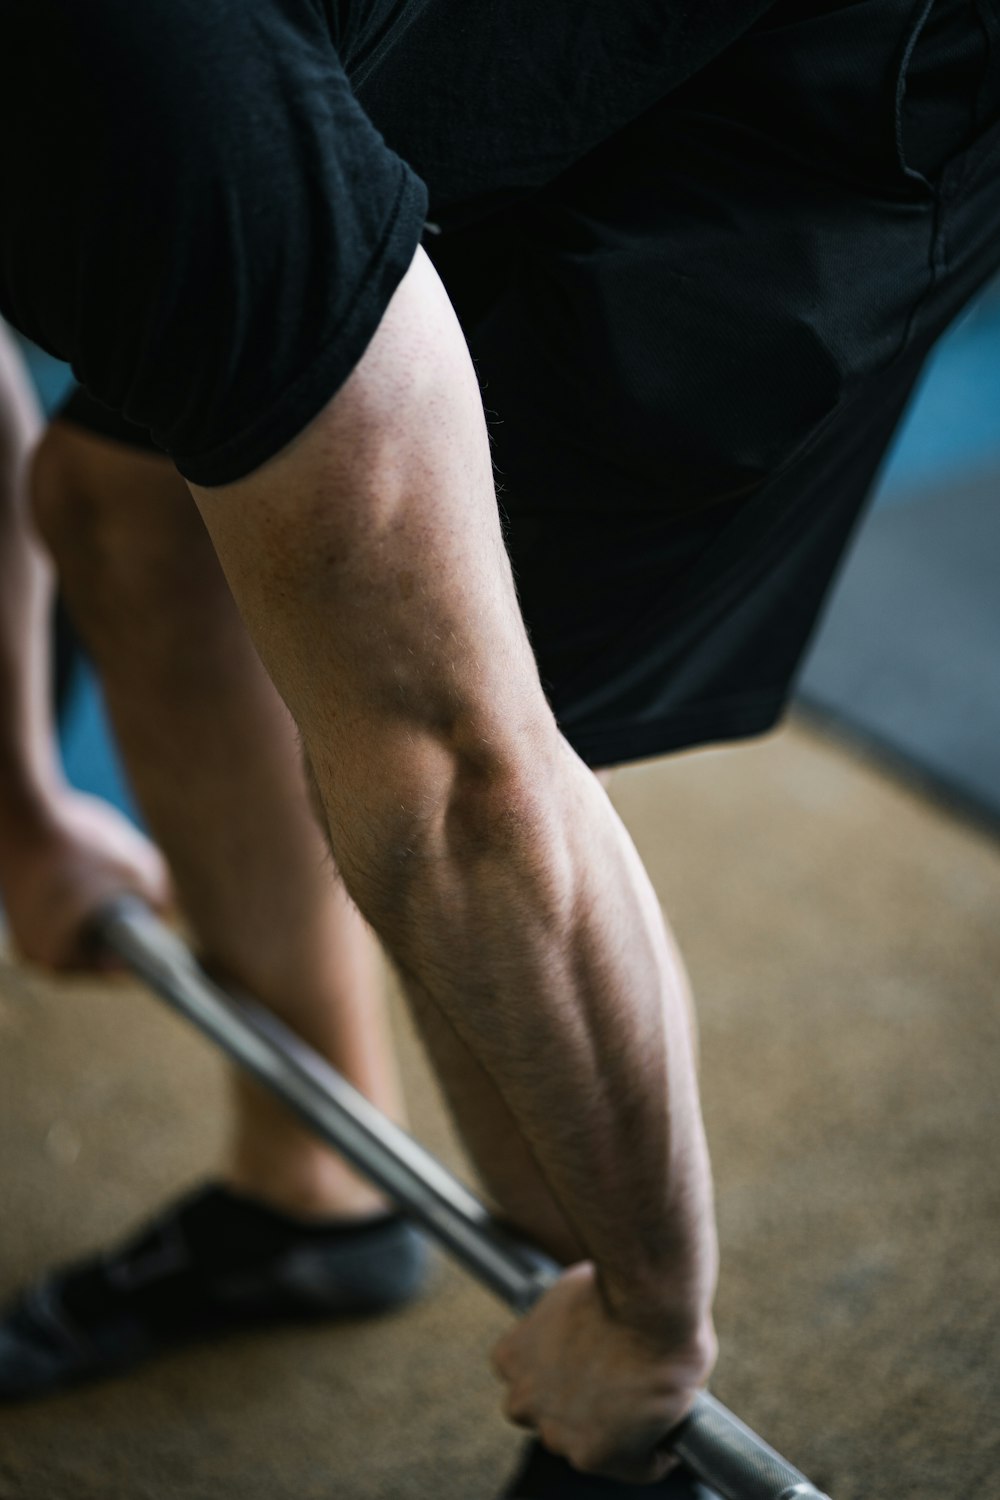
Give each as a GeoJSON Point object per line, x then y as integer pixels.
{"type": "Point", "coordinates": [119, 523]}
{"type": "Point", "coordinates": [62, 506]}
{"type": "Point", "coordinates": [76, 520]}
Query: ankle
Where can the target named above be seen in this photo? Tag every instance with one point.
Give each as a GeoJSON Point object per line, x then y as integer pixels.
{"type": "Point", "coordinates": [335, 1193]}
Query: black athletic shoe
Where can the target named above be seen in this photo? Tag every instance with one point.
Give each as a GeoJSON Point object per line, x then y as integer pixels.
{"type": "Point", "coordinates": [211, 1262]}
{"type": "Point", "coordinates": [543, 1476]}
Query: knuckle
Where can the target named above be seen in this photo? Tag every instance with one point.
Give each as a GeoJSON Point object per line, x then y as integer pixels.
{"type": "Point", "coordinates": [588, 1456]}
{"type": "Point", "coordinates": [549, 1433]}
{"type": "Point", "coordinates": [519, 1416]}
{"type": "Point", "coordinates": [517, 1408]}
{"type": "Point", "coordinates": [500, 1361]}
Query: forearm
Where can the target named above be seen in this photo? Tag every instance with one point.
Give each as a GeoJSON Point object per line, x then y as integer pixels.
{"type": "Point", "coordinates": [28, 771]}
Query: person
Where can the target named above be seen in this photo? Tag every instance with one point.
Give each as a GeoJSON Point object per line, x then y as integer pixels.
{"type": "Point", "coordinates": [61, 852]}
{"type": "Point", "coordinates": [699, 265]}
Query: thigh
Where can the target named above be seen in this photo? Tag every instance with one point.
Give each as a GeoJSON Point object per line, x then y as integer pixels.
{"type": "Point", "coordinates": [696, 345]}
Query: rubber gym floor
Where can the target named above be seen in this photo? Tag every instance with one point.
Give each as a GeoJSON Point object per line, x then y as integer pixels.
{"type": "Point", "coordinates": [843, 937]}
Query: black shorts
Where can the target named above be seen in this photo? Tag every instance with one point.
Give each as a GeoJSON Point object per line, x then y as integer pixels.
{"type": "Point", "coordinates": [699, 263]}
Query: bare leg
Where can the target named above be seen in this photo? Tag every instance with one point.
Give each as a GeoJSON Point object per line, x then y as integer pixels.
{"type": "Point", "coordinates": [507, 1166]}
{"type": "Point", "coordinates": [211, 753]}
{"type": "Point", "coordinates": [368, 562]}
{"type": "Point", "coordinates": [214, 760]}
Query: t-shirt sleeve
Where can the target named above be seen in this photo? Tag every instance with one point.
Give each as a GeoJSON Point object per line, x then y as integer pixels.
{"type": "Point", "coordinates": [202, 219]}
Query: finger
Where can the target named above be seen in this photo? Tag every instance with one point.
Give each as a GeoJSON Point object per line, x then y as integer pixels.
{"type": "Point", "coordinates": [106, 963]}
{"type": "Point", "coordinates": [502, 1357]}
{"type": "Point", "coordinates": [86, 958]}
{"type": "Point", "coordinates": [147, 877]}
{"type": "Point", "coordinates": [514, 1405]}
{"type": "Point", "coordinates": [159, 888]}
{"type": "Point", "coordinates": [517, 1409]}
{"type": "Point", "coordinates": [649, 1470]}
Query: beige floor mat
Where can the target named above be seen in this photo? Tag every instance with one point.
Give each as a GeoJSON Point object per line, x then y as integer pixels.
{"type": "Point", "coordinates": [844, 938]}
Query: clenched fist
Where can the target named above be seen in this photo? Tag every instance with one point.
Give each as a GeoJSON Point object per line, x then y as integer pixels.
{"type": "Point", "coordinates": [56, 876]}
{"type": "Point", "coordinates": [602, 1393]}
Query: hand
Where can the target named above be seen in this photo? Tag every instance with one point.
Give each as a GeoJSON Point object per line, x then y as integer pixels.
{"type": "Point", "coordinates": [600, 1393]}
{"type": "Point", "coordinates": [56, 876]}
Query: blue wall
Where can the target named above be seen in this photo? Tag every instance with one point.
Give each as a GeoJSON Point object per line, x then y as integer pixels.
{"type": "Point", "coordinates": [952, 429]}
